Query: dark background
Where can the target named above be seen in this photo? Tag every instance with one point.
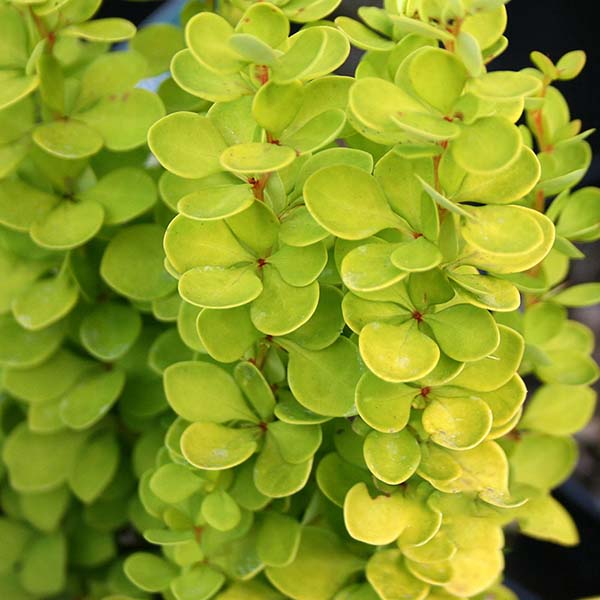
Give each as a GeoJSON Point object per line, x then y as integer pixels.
{"type": "Point", "coordinates": [536, 570]}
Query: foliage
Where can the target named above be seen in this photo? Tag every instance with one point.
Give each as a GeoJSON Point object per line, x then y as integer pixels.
{"type": "Point", "coordinates": [285, 358]}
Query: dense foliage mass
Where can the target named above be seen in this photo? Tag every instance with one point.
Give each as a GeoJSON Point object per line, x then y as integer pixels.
{"type": "Point", "coordinates": [263, 333]}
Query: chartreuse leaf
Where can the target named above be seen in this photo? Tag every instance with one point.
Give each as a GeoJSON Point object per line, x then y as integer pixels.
{"type": "Point", "coordinates": [215, 447]}
{"type": "Point", "coordinates": [266, 22]}
{"type": "Point", "coordinates": [296, 443]}
{"type": "Point", "coordinates": [158, 43]}
{"type": "Point", "coordinates": [364, 209]}
{"type": "Point", "coordinates": [217, 201]}
{"type": "Point", "coordinates": [201, 391]}
{"type": "Point", "coordinates": [275, 105]}
{"type": "Point", "coordinates": [585, 294]}
{"type": "Point", "coordinates": [45, 302]}
{"type": "Point", "coordinates": [256, 389]}
{"type": "Point", "coordinates": [558, 454]}
{"type": "Point", "coordinates": [493, 371]}
{"type": "Point", "coordinates": [300, 304]}
{"type": "Point", "coordinates": [392, 457]}
{"type": "Point", "coordinates": [289, 410]}
{"type": "Point", "coordinates": [123, 194]}
{"type": "Point", "coordinates": [173, 483]}
{"type": "Point", "coordinates": [220, 510]}
{"type": "Point", "coordinates": [110, 330]}
{"type": "Point", "coordinates": [375, 520]}
{"type": "Point", "coordinates": [301, 11]}
{"type": "Point", "coordinates": [274, 476]}
{"type": "Point", "coordinates": [32, 206]}
{"type": "Point", "coordinates": [382, 405]}
{"type": "Point", "coordinates": [200, 81]}
{"type": "Point", "coordinates": [544, 518]}
{"type": "Point", "coordinates": [39, 462]}
{"type": "Point", "coordinates": [219, 287]}
{"type": "Point", "coordinates": [149, 572]}
{"type": "Point", "coordinates": [199, 583]}
{"type": "Point", "coordinates": [390, 578]}
{"type": "Point", "coordinates": [321, 567]}
{"type": "Point", "coordinates": [487, 292]}
{"type": "Point", "coordinates": [336, 477]}
{"type": "Point", "coordinates": [68, 138]}
{"type": "Point", "coordinates": [101, 30]}
{"type": "Point", "coordinates": [398, 353]}
{"type": "Point", "coordinates": [324, 381]}
{"type": "Point", "coordinates": [370, 267]}
{"type": "Point", "coordinates": [506, 401]}
{"type": "Point", "coordinates": [316, 133]}
{"type": "Point", "coordinates": [488, 145]}
{"type": "Point", "coordinates": [133, 263]}
{"type": "Point", "coordinates": [256, 157]}
{"type": "Point", "coordinates": [95, 466]}
{"type": "Point", "coordinates": [44, 566]}
{"type": "Point", "coordinates": [418, 255]}
{"type": "Point", "coordinates": [227, 334]}
{"type": "Point", "coordinates": [458, 423]}
{"type": "Point", "coordinates": [207, 35]}
{"type": "Point", "coordinates": [571, 64]}
{"type": "Point", "coordinates": [278, 539]}
{"type": "Point", "coordinates": [251, 49]}
{"type": "Point", "coordinates": [559, 409]}
{"type": "Point", "coordinates": [92, 397]}
{"type": "Point", "coordinates": [68, 225]}
{"type": "Point", "coordinates": [22, 348]}
{"type": "Point", "coordinates": [187, 144]}
{"type": "Point", "coordinates": [361, 36]}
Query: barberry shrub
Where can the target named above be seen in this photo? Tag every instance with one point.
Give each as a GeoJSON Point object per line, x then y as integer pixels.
{"type": "Point", "coordinates": [310, 384]}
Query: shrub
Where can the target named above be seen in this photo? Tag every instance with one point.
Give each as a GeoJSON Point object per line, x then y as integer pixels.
{"type": "Point", "coordinates": [299, 374]}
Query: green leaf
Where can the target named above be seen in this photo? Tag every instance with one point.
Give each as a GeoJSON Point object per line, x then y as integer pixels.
{"type": "Point", "coordinates": [16, 88]}
{"type": "Point", "coordinates": [296, 443]}
{"type": "Point", "coordinates": [364, 211]}
{"type": "Point", "coordinates": [544, 518]}
{"type": "Point", "coordinates": [487, 292]}
{"type": "Point", "coordinates": [378, 521]}
{"type": "Point", "coordinates": [505, 85]}
{"type": "Point", "coordinates": [187, 144]}
{"type": "Point", "coordinates": [218, 287]}
{"type": "Point", "coordinates": [384, 406]}
{"type": "Point", "coordinates": [301, 11]}
{"type": "Point", "coordinates": [452, 329]}
{"type": "Point", "coordinates": [275, 105]}
{"type": "Point", "coordinates": [321, 567]}
{"type": "Point", "coordinates": [216, 202]}
{"type": "Point", "coordinates": [124, 194]}
{"type": "Point", "coordinates": [252, 49]}
{"type": "Point", "coordinates": [207, 36]}
{"type": "Point", "coordinates": [133, 263]}
{"type": "Point", "coordinates": [389, 577]}
{"type": "Point", "coordinates": [278, 539]}
{"type": "Point", "coordinates": [442, 201]}
{"type": "Point", "coordinates": [101, 30]}
{"type": "Point", "coordinates": [45, 302]}
{"type": "Point", "coordinates": [486, 146]}
{"type": "Point", "coordinates": [95, 466]}
{"type": "Point", "coordinates": [559, 409]}
{"type": "Point", "coordinates": [68, 225]}
{"type": "Point", "coordinates": [149, 572]}
{"type": "Point", "coordinates": [13, 33]}
{"type": "Point", "coordinates": [300, 304]}
{"type": "Point", "coordinates": [336, 477]}
{"type": "Point", "coordinates": [110, 330]}
{"type": "Point", "coordinates": [585, 294]}
{"type": "Point", "coordinates": [39, 462]}
{"type": "Point", "coordinates": [92, 397]}
{"type": "Point", "coordinates": [300, 266]}
{"type": "Point", "coordinates": [398, 353]}
{"type": "Point", "coordinates": [392, 457]}
{"type": "Point", "coordinates": [201, 391]}
{"type": "Point", "coordinates": [289, 410]}
{"type": "Point", "coordinates": [274, 476]}
{"type": "Point", "coordinates": [68, 138]}
{"type": "Point", "coordinates": [458, 423]}
{"type": "Point", "coordinates": [220, 511]}
{"type": "Point", "coordinates": [324, 381]}
{"type": "Point", "coordinates": [173, 483]}
{"type": "Point", "coordinates": [316, 133]}
{"type": "Point", "coordinates": [199, 583]}
{"type": "Point", "coordinates": [214, 447]}
{"type": "Point", "coordinates": [257, 157]}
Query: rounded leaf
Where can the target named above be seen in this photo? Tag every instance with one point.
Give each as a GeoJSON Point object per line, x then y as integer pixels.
{"type": "Point", "coordinates": [256, 157]}
{"type": "Point", "coordinates": [392, 457]}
